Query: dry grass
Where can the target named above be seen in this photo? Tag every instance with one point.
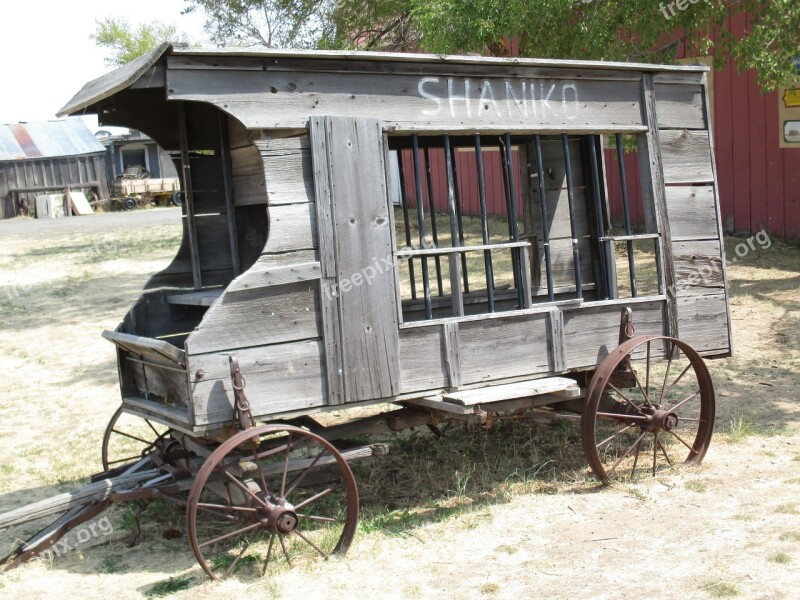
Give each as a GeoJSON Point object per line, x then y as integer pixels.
{"type": "Point", "coordinates": [502, 513]}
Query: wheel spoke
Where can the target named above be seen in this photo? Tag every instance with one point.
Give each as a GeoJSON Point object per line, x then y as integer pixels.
{"type": "Point", "coordinates": [315, 497]}
{"type": "Point", "coordinates": [150, 425]}
{"type": "Point", "coordinates": [674, 383]}
{"type": "Point", "coordinates": [638, 383]}
{"type": "Point", "coordinates": [236, 561]}
{"type": "Point", "coordinates": [627, 452]}
{"type": "Point", "coordinates": [228, 536]}
{"type": "Point", "coordinates": [133, 437]}
{"type": "Point", "coordinates": [680, 439]}
{"type": "Point", "coordinates": [655, 451]}
{"type": "Point", "coordinates": [619, 417]}
{"type": "Point", "coordinates": [321, 519]}
{"type": "Point", "coordinates": [286, 464]}
{"type": "Point", "coordinates": [310, 543]}
{"type": "Point", "coordinates": [624, 397]}
{"type": "Point", "coordinates": [229, 507]}
{"type": "Point", "coordinates": [664, 451]}
{"type": "Point", "coordinates": [242, 487]}
{"type": "Point", "coordinates": [684, 401]}
{"type": "Point", "coordinates": [666, 374]}
{"type": "Point", "coordinates": [611, 437]}
{"type": "Point", "coordinates": [298, 480]}
{"type": "Point", "coordinates": [269, 553]}
{"type": "Point", "coordinates": [636, 459]}
{"type": "Point", "coordinates": [285, 553]}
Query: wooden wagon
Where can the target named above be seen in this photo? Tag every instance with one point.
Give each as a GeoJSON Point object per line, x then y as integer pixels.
{"type": "Point", "coordinates": [455, 236]}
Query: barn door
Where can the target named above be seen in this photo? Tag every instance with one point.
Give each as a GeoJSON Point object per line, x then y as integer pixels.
{"type": "Point", "coordinates": [358, 295]}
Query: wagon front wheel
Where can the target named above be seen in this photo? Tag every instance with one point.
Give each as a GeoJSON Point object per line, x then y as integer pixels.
{"type": "Point", "coordinates": [650, 405]}
{"type": "Point", "coordinates": [128, 438]}
{"type": "Point", "coordinates": [268, 495]}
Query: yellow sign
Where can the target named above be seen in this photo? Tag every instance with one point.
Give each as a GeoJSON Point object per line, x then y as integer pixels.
{"type": "Point", "coordinates": [791, 98]}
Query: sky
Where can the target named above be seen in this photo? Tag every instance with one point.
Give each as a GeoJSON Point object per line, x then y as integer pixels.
{"type": "Point", "coordinates": [46, 55]}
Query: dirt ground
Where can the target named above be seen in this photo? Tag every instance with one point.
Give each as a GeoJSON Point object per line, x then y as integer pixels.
{"type": "Point", "coordinates": [478, 529]}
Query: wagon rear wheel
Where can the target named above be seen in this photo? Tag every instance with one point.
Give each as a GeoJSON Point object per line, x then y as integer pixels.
{"type": "Point", "coordinates": [271, 494]}
{"type": "Point", "coordinates": [643, 413]}
{"type": "Point", "coordinates": [128, 438]}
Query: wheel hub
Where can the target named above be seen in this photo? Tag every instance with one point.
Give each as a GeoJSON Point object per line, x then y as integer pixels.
{"type": "Point", "coordinates": [277, 516]}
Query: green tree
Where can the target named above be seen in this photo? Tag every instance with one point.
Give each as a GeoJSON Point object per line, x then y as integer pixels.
{"type": "Point", "coordinates": [127, 42]}
{"type": "Point", "coordinates": [628, 30]}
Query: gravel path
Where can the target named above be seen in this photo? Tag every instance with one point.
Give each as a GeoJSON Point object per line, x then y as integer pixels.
{"type": "Point", "coordinates": [102, 223]}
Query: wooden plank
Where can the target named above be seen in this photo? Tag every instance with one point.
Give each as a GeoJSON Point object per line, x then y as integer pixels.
{"type": "Point", "coordinates": [686, 156]}
{"type": "Point", "coordinates": [555, 334]}
{"type": "Point", "coordinates": [505, 347]}
{"type": "Point", "coordinates": [704, 323]}
{"type": "Point", "coordinates": [560, 386]}
{"type": "Point", "coordinates": [421, 357]}
{"type": "Point", "coordinates": [280, 378]}
{"type": "Point", "coordinates": [562, 262]}
{"type": "Point", "coordinates": [278, 100]}
{"type": "Point", "coordinates": [329, 300]}
{"type": "Point", "coordinates": [680, 106]}
{"type": "Point", "coordinates": [257, 277]}
{"type": "Point", "coordinates": [652, 169]}
{"type": "Point", "coordinates": [198, 298]}
{"type": "Point", "coordinates": [698, 268]}
{"type": "Point", "coordinates": [257, 317]}
{"type": "Point", "coordinates": [692, 212]}
{"type": "Point", "coordinates": [591, 333]}
{"type": "Point", "coordinates": [558, 213]}
{"type": "Point", "coordinates": [452, 357]}
{"type": "Point", "coordinates": [190, 228]}
{"type": "Point", "coordinates": [362, 237]}
{"type": "Point", "coordinates": [288, 169]}
{"type": "Point", "coordinates": [247, 176]}
{"type": "Point", "coordinates": [292, 227]}
{"type": "Point", "coordinates": [137, 343]}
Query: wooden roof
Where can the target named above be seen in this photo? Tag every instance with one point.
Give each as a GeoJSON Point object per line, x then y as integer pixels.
{"type": "Point", "coordinates": [123, 77]}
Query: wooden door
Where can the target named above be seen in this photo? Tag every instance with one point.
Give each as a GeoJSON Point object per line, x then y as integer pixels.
{"type": "Point", "coordinates": [358, 288]}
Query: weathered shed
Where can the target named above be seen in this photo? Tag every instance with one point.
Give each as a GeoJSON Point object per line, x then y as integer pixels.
{"type": "Point", "coordinates": [295, 259]}
{"type": "Point", "coordinates": [41, 158]}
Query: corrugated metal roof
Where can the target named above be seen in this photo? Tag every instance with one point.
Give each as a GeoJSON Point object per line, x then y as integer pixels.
{"type": "Point", "coordinates": [66, 137]}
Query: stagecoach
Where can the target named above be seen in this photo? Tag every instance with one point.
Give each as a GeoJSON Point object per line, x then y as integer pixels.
{"type": "Point", "coordinates": [437, 238]}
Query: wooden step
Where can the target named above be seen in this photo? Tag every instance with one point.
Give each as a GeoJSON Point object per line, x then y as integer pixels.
{"type": "Point", "coordinates": [558, 386]}
{"type": "Point", "coordinates": [197, 298]}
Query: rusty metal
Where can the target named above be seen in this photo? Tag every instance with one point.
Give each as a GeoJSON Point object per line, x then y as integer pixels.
{"type": "Point", "coordinates": [647, 416]}
{"type": "Point", "coordinates": [267, 509]}
{"type": "Point", "coordinates": [242, 417]}
{"type": "Point", "coordinates": [147, 445]}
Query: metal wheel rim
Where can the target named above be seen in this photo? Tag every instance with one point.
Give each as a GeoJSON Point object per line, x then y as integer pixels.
{"type": "Point", "coordinates": [599, 386]}
{"type": "Point", "coordinates": [110, 429]}
{"type": "Point", "coordinates": [211, 466]}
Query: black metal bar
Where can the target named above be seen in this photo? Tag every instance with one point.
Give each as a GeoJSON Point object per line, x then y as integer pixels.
{"type": "Point", "coordinates": [602, 287]}
{"type": "Point", "coordinates": [487, 254]}
{"type": "Point", "coordinates": [512, 218]}
{"type": "Point", "coordinates": [432, 208]}
{"type": "Point", "coordinates": [623, 183]}
{"type": "Point", "coordinates": [576, 256]}
{"type": "Point", "coordinates": [404, 201]}
{"type": "Point", "coordinates": [426, 284]}
{"type": "Point", "coordinates": [455, 291]}
{"type": "Point", "coordinates": [545, 221]}
{"type": "Point", "coordinates": [459, 215]}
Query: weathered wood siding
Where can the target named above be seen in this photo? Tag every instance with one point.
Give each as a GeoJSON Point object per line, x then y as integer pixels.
{"type": "Point", "coordinates": [54, 173]}
{"type": "Point", "coordinates": [692, 202]}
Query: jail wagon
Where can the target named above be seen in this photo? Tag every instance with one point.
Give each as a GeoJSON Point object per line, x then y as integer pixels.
{"type": "Point", "coordinates": [459, 238]}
